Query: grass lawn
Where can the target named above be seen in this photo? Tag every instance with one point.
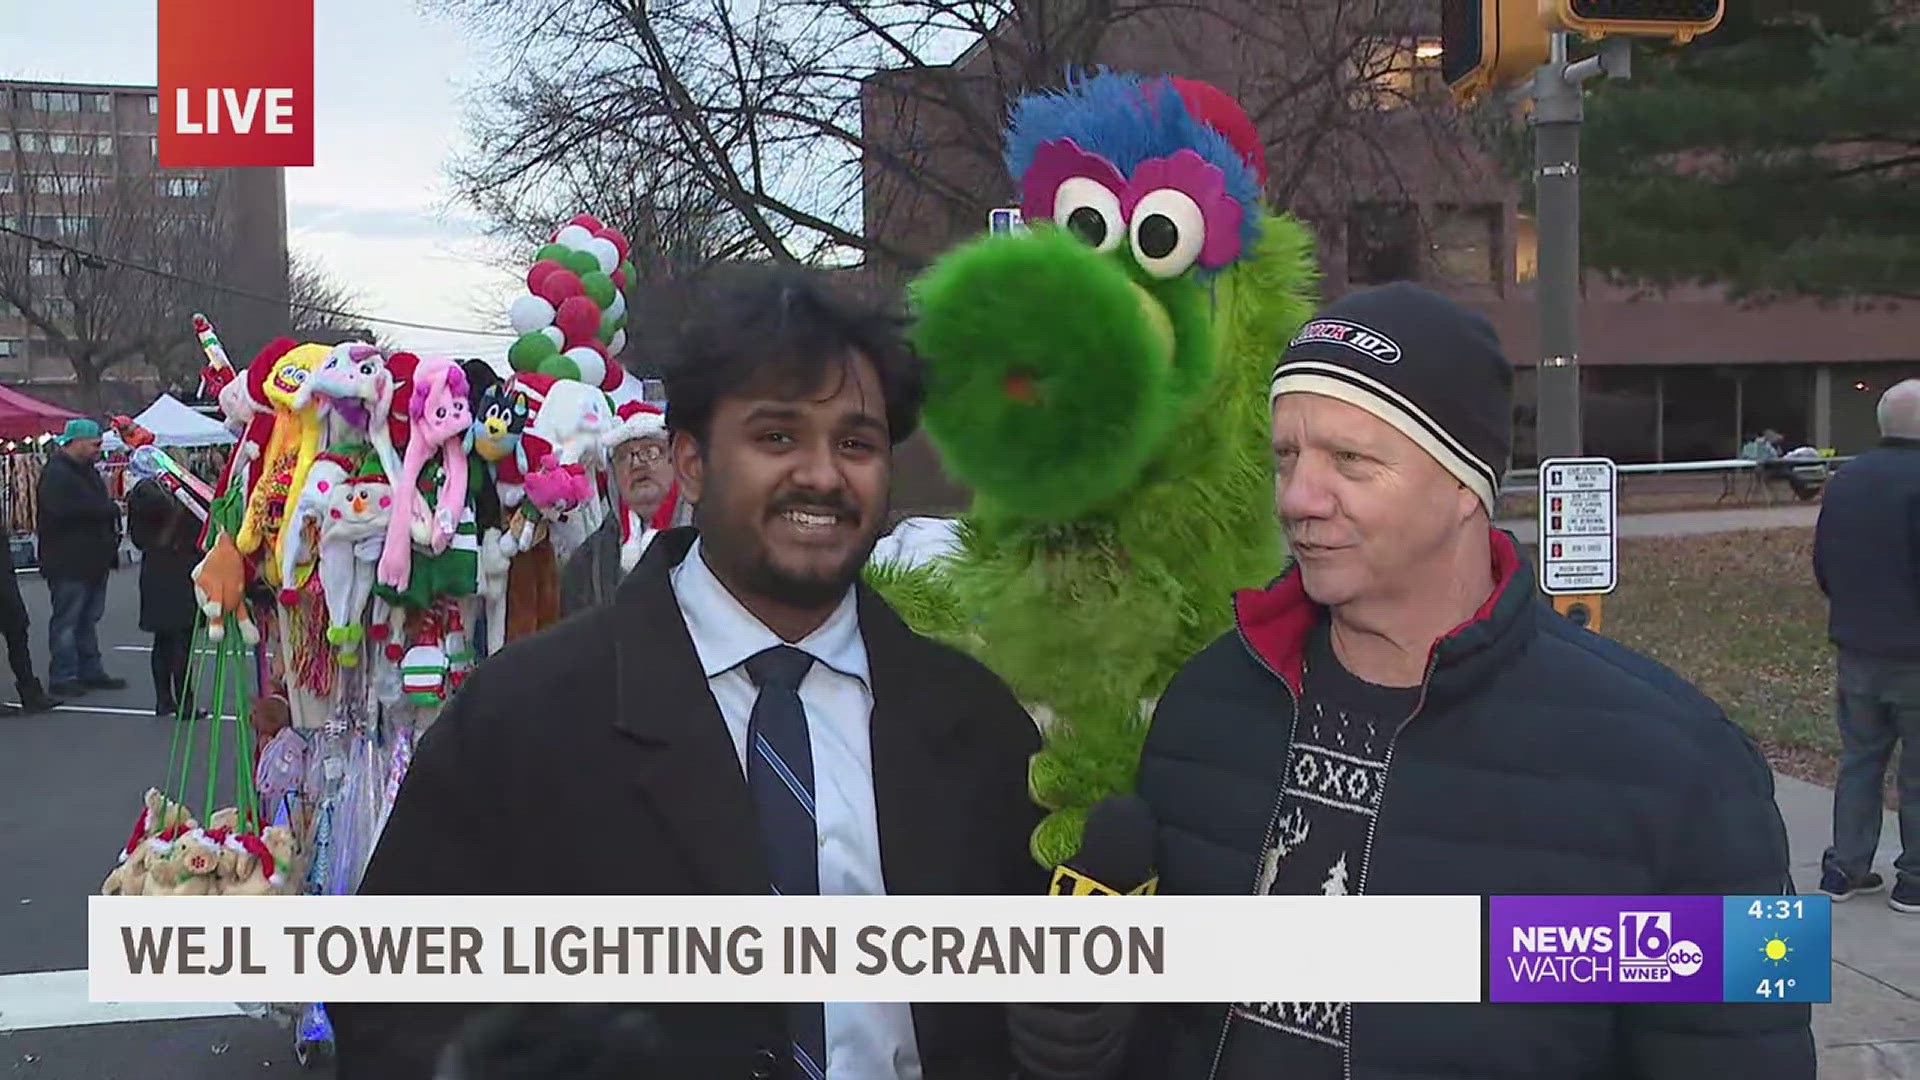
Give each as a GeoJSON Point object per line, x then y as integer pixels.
{"type": "Point", "coordinates": [1738, 613]}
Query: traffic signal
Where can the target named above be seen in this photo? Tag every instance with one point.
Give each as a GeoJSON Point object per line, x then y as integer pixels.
{"type": "Point", "coordinates": [1485, 44]}
{"type": "Point", "coordinates": [1678, 20]}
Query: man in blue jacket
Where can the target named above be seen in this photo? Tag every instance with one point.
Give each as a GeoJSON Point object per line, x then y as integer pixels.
{"type": "Point", "coordinates": [1866, 556]}
{"type": "Point", "coordinates": [1399, 714]}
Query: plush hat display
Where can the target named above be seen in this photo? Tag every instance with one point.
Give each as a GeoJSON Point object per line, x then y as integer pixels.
{"type": "Point", "coordinates": [1422, 363]}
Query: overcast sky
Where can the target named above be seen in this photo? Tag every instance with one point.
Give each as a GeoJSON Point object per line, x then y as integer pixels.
{"type": "Point", "coordinates": [374, 207]}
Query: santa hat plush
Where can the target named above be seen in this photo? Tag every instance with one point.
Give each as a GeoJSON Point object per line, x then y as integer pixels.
{"type": "Point", "coordinates": [252, 845]}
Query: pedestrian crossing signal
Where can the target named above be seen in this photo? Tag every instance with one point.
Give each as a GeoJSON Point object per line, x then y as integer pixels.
{"type": "Point", "coordinates": [1487, 44]}
{"type": "Point", "coordinates": [1677, 20]}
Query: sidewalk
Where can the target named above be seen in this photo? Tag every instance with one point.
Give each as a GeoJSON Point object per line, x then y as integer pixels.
{"type": "Point", "coordinates": [1871, 1031]}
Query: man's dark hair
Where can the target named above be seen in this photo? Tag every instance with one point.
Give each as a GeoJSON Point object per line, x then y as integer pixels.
{"type": "Point", "coordinates": [784, 330]}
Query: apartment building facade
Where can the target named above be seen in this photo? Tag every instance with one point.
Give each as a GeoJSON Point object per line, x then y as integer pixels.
{"type": "Point", "coordinates": [1406, 193]}
{"type": "Point", "coordinates": [79, 167]}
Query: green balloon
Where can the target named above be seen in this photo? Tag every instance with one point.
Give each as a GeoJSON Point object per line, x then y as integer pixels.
{"type": "Point", "coordinates": [560, 367]}
{"type": "Point", "coordinates": [529, 350]}
{"type": "Point", "coordinates": [580, 262]}
{"type": "Point", "coordinates": [608, 327]}
{"type": "Point", "coordinates": [620, 323]}
{"type": "Point", "coordinates": [626, 267]}
{"type": "Point", "coordinates": [599, 289]}
{"type": "Point", "coordinates": [552, 251]}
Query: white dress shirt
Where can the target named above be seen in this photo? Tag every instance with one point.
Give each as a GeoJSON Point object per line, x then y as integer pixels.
{"type": "Point", "coordinates": [864, 1041]}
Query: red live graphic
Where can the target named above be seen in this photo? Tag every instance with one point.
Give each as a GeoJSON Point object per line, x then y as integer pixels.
{"type": "Point", "coordinates": [236, 83]}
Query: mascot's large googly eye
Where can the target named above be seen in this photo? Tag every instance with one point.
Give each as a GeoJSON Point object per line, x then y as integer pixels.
{"type": "Point", "coordinates": [1168, 231]}
{"type": "Point", "coordinates": [1091, 211]}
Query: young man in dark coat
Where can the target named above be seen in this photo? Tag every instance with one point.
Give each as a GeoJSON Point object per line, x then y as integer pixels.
{"type": "Point", "coordinates": [1399, 714]}
{"type": "Point", "coordinates": [79, 546]}
{"type": "Point", "coordinates": [743, 716]}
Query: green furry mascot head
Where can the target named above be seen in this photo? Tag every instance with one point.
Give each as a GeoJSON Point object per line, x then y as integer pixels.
{"type": "Point", "coordinates": [1098, 381]}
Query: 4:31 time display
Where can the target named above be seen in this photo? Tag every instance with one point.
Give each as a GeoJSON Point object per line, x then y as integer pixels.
{"type": "Point", "coordinates": [1783, 908]}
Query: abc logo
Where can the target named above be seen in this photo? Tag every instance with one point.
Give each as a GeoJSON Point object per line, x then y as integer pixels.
{"type": "Point", "coordinates": [1685, 958]}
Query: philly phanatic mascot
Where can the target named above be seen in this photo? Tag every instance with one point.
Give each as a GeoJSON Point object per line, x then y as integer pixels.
{"type": "Point", "coordinates": [1099, 381]}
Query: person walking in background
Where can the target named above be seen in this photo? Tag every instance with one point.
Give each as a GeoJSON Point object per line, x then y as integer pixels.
{"type": "Point", "coordinates": [79, 546]}
{"type": "Point", "coordinates": [1866, 557]}
{"type": "Point", "coordinates": [13, 626]}
{"type": "Point", "coordinates": [168, 539]}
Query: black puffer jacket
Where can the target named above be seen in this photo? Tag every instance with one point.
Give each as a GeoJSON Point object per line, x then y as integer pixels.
{"type": "Point", "coordinates": [78, 522]}
{"type": "Point", "coordinates": [1544, 759]}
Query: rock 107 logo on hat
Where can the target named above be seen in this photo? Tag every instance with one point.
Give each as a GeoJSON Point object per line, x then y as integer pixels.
{"type": "Point", "coordinates": [236, 83]}
{"type": "Point", "coordinates": [1369, 343]}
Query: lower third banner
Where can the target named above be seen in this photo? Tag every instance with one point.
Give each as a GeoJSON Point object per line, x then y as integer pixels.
{"type": "Point", "coordinates": [1624, 949]}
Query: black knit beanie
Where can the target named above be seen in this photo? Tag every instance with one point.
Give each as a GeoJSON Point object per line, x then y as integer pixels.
{"type": "Point", "coordinates": [1421, 362]}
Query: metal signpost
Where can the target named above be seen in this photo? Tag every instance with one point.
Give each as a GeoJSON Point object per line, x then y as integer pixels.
{"type": "Point", "coordinates": [1578, 540]}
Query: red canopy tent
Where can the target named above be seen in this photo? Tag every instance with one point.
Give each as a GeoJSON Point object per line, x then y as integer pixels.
{"type": "Point", "coordinates": [22, 417]}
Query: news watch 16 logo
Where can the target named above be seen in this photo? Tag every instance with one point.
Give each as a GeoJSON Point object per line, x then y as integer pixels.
{"type": "Point", "coordinates": [236, 83]}
{"type": "Point", "coordinates": [1604, 949]}
{"type": "Point", "coordinates": [1648, 952]}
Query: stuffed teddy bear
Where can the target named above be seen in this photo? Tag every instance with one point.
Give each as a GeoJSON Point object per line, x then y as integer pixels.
{"type": "Point", "coordinates": [130, 877]}
{"type": "Point", "coordinates": [181, 863]}
{"type": "Point", "coordinates": [252, 868]}
{"type": "Point", "coordinates": [220, 587]}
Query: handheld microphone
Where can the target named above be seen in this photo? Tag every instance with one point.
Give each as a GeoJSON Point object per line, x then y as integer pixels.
{"type": "Point", "coordinates": [1063, 1041]}
{"type": "Point", "coordinates": [1116, 852]}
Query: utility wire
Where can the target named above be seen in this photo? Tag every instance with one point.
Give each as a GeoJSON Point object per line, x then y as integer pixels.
{"type": "Point", "coordinates": [43, 242]}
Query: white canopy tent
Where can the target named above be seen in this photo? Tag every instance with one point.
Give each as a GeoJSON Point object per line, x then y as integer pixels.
{"type": "Point", "coordinates": [175, 424]}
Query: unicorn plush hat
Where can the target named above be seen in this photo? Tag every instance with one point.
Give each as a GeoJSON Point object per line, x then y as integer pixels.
{"type": "Point", "coordinates": [639, 420]}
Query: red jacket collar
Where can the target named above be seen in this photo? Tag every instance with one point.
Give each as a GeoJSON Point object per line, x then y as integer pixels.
{"type": "Point", "coordinates": [1275, 621]}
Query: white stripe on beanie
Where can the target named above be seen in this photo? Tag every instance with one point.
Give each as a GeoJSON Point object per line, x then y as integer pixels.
{"type": "Point", "coordinates": [1383, 401]}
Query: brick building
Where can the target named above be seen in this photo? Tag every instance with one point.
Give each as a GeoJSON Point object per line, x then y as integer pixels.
{"type": "Point", "coordinates": [1685, 375]}
{"type": "Point", "coordinates": [78, 165]}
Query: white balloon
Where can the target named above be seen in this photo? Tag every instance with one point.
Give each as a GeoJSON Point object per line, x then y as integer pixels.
{"type": "Point", "coordinates": [592, 367]}
{"type": "Point", "coordinates": [619, 305]}
{"type": "Point", "coordinates": [556, 335]}
{"type": "Point", "coordinates": [618, 343]}
{"type": "Point", "coordinates": [574, 238]}
{"type": "Point", "coordinates": [603, 250]}
{"type": "Point", "coordinates": [530, 313]}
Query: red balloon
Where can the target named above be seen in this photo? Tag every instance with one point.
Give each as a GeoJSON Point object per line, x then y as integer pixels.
{"type": "Point", "coordinates": [619, 240]}
{"type": "Point", "coordinates": [578, 318]}
{"type": "Point", "coordinates": [620, 279]}
{"type": "Point", "coordinates": [587, 222]}
{"type": "Point", "coordinates": [538, 272]}
{"type": "Point", "coordinates": [614, 377]}
{"type": "Point", "coordinates": [559, 286]}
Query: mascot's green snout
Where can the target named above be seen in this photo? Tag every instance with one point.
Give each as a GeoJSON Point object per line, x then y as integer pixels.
{"type": "Point", "coordinates": [1051, 397]}
{"type": "Point", "coordinates": [1100, 381]}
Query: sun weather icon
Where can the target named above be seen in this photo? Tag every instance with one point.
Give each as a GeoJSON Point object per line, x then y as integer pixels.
{"type": "Point", "coordinates": [1776, 950]}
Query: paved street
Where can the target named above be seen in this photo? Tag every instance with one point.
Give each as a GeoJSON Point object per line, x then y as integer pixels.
{"type": "Point", "coordinates": [70, 785]}
{"type": "Point", "coordinates": [72, 779]}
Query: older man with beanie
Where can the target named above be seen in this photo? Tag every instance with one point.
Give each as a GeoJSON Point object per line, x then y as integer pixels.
{"type": "Point", "coordinates": [79, 528]}
{"type": "Point", "coordinates": [1399, 714]}
{"type": "Point", "coordinates": [1866, 556]}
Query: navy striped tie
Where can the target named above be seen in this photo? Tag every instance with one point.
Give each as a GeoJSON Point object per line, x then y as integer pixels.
{"type": "Point", "coordinates": [780, 777]}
